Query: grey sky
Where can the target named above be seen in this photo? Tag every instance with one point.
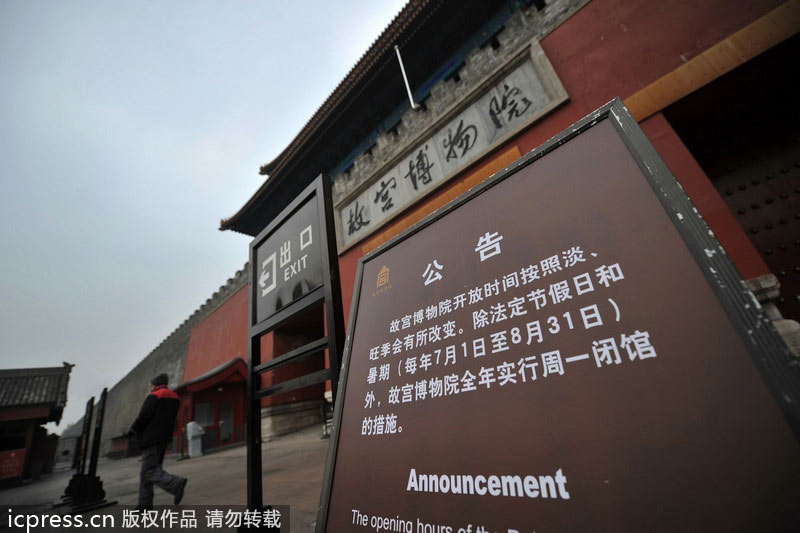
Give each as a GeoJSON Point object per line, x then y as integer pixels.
{"type": "Point", "coordinates": [127, 130]}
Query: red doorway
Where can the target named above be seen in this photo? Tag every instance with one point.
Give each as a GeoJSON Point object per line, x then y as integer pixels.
{"type": "Point", "coordinates": [216, 401]}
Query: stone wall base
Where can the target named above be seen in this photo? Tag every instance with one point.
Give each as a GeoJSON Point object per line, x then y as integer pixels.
{"type": "Point", "coordinates": [282, 419]}
{"type": "Point", "coordinates": [766, 290]}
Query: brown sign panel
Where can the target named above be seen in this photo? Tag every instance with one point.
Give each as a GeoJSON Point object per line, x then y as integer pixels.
{"type": "Point", "coordinates": [549, 354]}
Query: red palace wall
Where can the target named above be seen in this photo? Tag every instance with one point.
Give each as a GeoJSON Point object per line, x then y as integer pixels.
{"type": "Point", "coordinates": [616, 47]}
{"type": "Point", "coordinates": [219, 338]}
{"type": "Point", "coordinates": [222, 336]}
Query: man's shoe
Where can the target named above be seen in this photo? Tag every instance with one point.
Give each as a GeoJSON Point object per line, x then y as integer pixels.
{"type": "Point", "coordinates": [179, 492]}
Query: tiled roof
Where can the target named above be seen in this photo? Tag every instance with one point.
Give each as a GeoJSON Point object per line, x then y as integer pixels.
{"type": "Point", "coordinates": [236, 361]}
{"type": "Point", "coordinates": [26, 387]}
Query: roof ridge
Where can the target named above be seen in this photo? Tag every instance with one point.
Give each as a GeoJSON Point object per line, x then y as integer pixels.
{"type": "Point", "coordinates": [353, 75]}
{"type": "Point", "coordinates": [35, 371]}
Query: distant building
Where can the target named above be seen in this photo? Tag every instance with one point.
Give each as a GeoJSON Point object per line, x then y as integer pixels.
{"type": "Point", "coordinates": [29, 398]}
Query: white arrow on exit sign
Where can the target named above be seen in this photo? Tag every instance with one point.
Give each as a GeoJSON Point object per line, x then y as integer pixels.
{"type": "Point", "coordinates": [266, 275]}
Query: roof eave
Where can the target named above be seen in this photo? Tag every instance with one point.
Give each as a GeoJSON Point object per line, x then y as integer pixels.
{"type": "Point", "coordinates": [370, 59]}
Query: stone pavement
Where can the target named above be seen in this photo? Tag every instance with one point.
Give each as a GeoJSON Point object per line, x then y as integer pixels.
{"type": "Point", "coordinates": [293, 466]}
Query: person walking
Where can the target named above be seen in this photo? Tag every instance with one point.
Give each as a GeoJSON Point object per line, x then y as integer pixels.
{"type": "Point", "coordinates": [154, 426]}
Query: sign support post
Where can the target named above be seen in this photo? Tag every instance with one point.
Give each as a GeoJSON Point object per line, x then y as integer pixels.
{"type": "Point", "coordinates": [79, 462]}
{"type": "Point", "coordinates": [87, 492]}
{"type": "Point", "coordinates": [293, 270]}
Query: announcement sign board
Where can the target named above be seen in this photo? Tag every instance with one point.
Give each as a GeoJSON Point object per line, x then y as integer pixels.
{"type": "Point", "coordinates": [557, 351]}
{"type": "Point", "coordinates": [289, 261]}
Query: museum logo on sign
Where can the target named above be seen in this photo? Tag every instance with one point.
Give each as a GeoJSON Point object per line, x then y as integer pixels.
{"type": "Point", "coordinates": [382, 285]}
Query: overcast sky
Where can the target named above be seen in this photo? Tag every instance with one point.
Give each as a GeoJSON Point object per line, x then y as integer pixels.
{"type": "Point", "coordinates": [127, 131]}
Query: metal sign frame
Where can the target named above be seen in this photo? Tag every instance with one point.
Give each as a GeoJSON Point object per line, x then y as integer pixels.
{"type": "Point", "coordinates": [85, 436]}
{"type": "Point", "coordinates": [85, 490]}
{"type": "Point", "coordinates": [81, 452]}
{"type": "Point", "coordinates": [765, 347]}
{"type": "Point", "coordinates": [328, 296]}
{"type": "Point", "coordinates": [98, 431]}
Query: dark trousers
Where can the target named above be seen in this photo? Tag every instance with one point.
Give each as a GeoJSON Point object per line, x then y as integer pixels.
{"type": "Point", "coordinates": [153, 474]}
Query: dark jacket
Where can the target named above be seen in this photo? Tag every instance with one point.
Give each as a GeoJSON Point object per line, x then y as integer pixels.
{"type": "Point", "coordinates": [156, 420]}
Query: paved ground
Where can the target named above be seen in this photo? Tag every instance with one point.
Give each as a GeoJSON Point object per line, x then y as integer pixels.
{"type": "Point", "coordinates": [293, 468]}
